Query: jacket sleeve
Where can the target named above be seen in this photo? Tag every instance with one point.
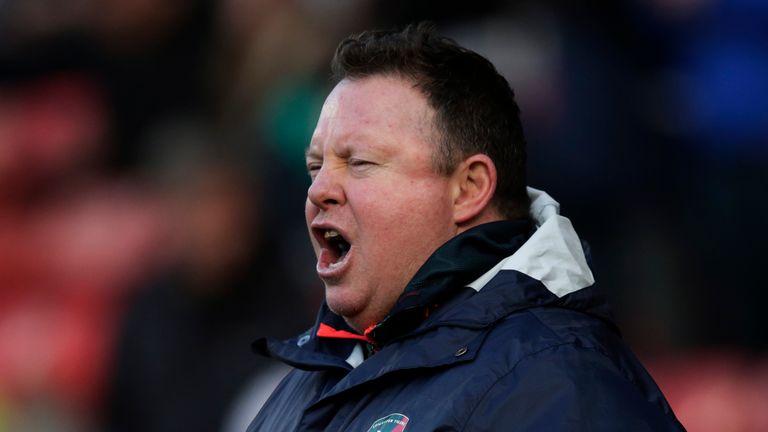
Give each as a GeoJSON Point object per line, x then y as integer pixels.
{"type": "Point", "coordinates": [566, 388]}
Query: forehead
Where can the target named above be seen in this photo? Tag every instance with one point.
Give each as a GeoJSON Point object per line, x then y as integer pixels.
{"type": "Point", "coordinates": [381, 106]}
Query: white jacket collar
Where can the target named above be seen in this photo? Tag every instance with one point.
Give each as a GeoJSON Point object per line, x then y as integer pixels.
{"type": "Point", "coordinates": [553, 255]}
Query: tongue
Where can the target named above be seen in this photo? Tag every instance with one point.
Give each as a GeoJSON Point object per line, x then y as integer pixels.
{"type": "Point", "coordinates": [328, 257]}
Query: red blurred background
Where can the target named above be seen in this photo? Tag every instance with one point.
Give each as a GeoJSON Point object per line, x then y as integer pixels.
{"type": "Point", "coordinates": [152, 186]}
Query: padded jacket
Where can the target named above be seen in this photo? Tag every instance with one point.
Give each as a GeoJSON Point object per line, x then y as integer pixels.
{"type": "Point", "coordinates": [502, 329]}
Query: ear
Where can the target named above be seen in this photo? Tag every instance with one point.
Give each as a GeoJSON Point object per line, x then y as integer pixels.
{"type": "Point", "coordinates": [474, 183]}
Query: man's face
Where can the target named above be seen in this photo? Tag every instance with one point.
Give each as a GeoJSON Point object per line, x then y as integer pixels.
{"type": "Point", "coordinates": [376, 208]}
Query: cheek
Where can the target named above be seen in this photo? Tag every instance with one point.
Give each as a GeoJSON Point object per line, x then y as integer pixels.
{"type": "Point", "coordinates": [307, 206]}
{"type": "Point", "coordinates": [310, 211]}
{"type": "Point", "coordinates": [413, 211]}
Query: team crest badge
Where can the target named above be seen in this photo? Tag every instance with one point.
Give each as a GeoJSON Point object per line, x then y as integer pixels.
{"type": "Point", "coordinates": [392, 423]}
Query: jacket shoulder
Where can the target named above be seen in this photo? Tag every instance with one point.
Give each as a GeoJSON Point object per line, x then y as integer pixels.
{"type": "Point", "coordinates": [285, 407]}
{"type": "Point", "coordinates": [558, 369]}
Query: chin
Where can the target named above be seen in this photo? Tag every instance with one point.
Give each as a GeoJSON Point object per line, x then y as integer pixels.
{"type": "Point", "coordinates": [343, 303]}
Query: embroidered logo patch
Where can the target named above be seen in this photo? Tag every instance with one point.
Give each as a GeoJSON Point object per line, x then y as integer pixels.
{"type": "Point", "coordinates": [392, 423]}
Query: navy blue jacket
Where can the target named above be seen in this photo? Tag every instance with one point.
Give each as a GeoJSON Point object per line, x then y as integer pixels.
{"type": "Point", "coordinates": [502, 329]}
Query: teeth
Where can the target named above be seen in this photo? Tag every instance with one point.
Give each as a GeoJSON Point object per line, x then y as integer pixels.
{"type": "Point", "coordinates": [331, 234]}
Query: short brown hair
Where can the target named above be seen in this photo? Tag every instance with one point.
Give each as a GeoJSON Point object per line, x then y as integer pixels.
{"type": "Point", "coordinates": [475, 107]}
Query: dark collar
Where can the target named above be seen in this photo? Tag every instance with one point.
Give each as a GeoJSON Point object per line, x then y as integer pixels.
{"type": "Point", "coordinates": [457, 263]}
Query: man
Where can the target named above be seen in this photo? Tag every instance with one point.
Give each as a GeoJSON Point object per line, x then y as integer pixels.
{"type": "Point", "coordinates": [455, 299]}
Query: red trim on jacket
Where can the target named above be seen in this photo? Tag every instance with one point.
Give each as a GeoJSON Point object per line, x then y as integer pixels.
{"type": "Point", "coordinates": [327, 331]}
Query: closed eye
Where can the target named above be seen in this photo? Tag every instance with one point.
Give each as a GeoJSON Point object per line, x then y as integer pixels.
{"type": "Point", "coordinates": [359, 162]}
{"type": "Point", "coordinates": [313, 168]}
{"type": "Point", "coordinates": [360, 166]}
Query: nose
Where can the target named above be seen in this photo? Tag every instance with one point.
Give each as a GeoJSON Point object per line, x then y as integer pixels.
{"type": "Point", "coordinates": [326, 189]}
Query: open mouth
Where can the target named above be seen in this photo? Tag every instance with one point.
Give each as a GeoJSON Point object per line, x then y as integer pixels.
{"type": "Point", "coordinates": [335, 251]}
{"type": "Point", "coordinates": [337, 247]}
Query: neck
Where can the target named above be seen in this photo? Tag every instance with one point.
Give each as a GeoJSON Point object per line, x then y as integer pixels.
{"type": "Point", "coordinates": [486, 216]}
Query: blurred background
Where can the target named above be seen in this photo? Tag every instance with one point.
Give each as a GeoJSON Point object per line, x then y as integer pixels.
{"type": "Point", "coordinates": [152, 186]}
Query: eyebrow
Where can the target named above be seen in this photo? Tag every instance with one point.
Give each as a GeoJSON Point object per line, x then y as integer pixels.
{"type": "Point", "coordinates": [308, 152]}
{"type": "Point", "coordinates": [362, 137]}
